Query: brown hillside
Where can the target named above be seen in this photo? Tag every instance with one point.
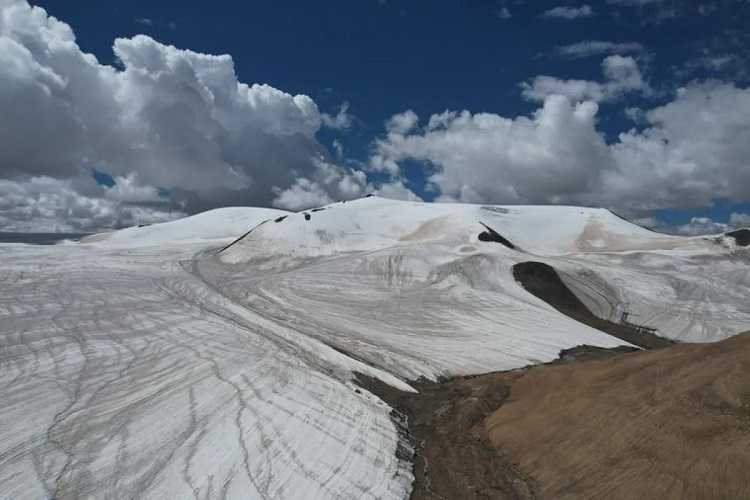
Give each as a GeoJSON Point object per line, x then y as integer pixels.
{"type": "Point", "coordinates": [672, 423]}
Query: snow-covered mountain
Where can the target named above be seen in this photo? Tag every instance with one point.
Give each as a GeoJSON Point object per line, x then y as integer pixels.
{"type": "Point", "coordinates": [220, 223]}
{"type": "Point", "coordinates": [689, 288]}
{"type": "Point", "coordinates": [215, 355]}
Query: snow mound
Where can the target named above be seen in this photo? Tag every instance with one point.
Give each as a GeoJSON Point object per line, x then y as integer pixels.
{"type": "Point", "coordinates": [374, 223]}
{"type": "Point", "coordinates": [688, 288]}
{"type": "Point", "coordinates": [221, 223]}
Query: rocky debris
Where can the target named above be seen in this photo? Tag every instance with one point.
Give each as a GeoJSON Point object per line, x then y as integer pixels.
{"type": "Point", "coordinates": [442, 430]}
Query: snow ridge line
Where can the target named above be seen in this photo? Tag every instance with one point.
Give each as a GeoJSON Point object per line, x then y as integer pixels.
{"type": "Point", "coordinates": [244, 235]}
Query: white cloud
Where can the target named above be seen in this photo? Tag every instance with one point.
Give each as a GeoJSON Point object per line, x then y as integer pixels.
{"type": "Point", "coordinates": [396, 128]}
{"type": "Point", "coordinates": [621, 76]}
{"type": "Point", "coordinates": [700, 225]}
{"type": "Point", "coordinates": [341, 120]}
{"type": "Point", "coordinates": [402, 123]}
{"type": "Point", "coordinates": [327, 183]}
{"type": "Point", "coordinates": [127, 189]}
{"type": "Point", "coordinates": [588, 48]}
{"type": "Point", "coordinates": [167, 118]}
{"type": "Point", "coordinates": [695, 149]}
{"type": "Point", "coordinates": [395, 190]}
{"type": "Point", "coordinates": [706, 225]}
{"type": "Point", "coordinates": [569, 12]}
{"type": "Point", "coordinates": [331, 182]}
{"type": "Point", "coordinates": [304, 193]}
{"type": "Point", "coordinates": [504, 13]}
{"type": "Point", "coordinates": [181, 121]}
{"type": "Point", "coordinates": [486, 157]}
{"type": "Point", "coordinates": [737, 220]}
{"type": "Point", "coordinates": [44, 204]}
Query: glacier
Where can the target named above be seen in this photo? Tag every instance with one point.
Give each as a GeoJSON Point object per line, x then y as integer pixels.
{"type": "Point", "coordinates": [215, 356]}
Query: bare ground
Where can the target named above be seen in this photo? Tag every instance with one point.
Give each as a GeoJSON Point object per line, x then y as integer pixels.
{"type": "Point", "coordinates": [453, 457]}
{"type": "Point", "coordinates": [673, 423]}
{"type": "Point", "coordinates": [669, 423]}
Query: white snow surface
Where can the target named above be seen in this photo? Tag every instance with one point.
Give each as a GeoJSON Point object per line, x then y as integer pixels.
{"type": "Point", "coordinates": [229, 222]}
{"type": "Point", "coordinates": [145, 363]}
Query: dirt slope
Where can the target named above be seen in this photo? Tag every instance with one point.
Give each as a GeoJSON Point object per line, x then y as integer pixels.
{"type": "Point", "coordinates": [672, 423]}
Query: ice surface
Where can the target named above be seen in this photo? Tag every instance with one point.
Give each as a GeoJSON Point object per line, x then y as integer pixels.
{"type": "Point", "coordinates": [142, 363]}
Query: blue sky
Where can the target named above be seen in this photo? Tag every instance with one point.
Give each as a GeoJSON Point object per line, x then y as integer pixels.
{"type": "Point", "coordinates": [385, 57]}
{"type": "Point", "coordinates": [382, 58]}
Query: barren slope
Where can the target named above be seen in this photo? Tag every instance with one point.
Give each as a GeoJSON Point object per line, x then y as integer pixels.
{"type": "Point", "coordinates": [667, 424]}
{"type": "Point", "coordinates": [672, 423]}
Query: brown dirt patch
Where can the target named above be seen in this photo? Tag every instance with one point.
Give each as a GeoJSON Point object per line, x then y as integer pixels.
{"type": "Point", "coordinates": [664, 424]}
{"type": "Point", "coordinates": [597, 423]}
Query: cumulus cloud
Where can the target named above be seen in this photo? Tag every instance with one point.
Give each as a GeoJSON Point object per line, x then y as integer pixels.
{"type": "Point", "coordinates": [486, 157]}
{"type": "Point", "coordinates": [331, 182]}
{"type": "Point", "coordinates": [192, 124]}
{"type": "Point", "coordinates": [621, 74]}
{"type": "Point", "coordinates": [395, 190]}
{"type": "Point", "coordinates": [694, 149]}
{"type": "Point", "coordinates": [588, 48]}
{"type": "Point", "coordinates": [697, 148]}
{"type": "Point", "coordinates": [44, 204]}
{"type": "Point", "coordinates": [327, 183]}
{"type": "Point", "coordinates": [166, 118]}
{"type": "Point", "coordinates": [568, 12]}
{"type": "Point", "coordinates": [706, 225]}
{"type": "Point", "coordinates": [701, 225]}
{"type": "Point", "coordinates": [128, 189]}
{"type": "Point", "coordinates": [402, 123]}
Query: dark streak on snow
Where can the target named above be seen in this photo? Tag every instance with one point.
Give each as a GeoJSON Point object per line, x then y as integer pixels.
{"type": "Point", "coordinates": [543, 281]}
{"type": "Point", "coordinates": [244, 235]}
{"type": "Point", "coordinates": [741, 236]}
{"type": "Point", "coordinates": [492, 235]}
